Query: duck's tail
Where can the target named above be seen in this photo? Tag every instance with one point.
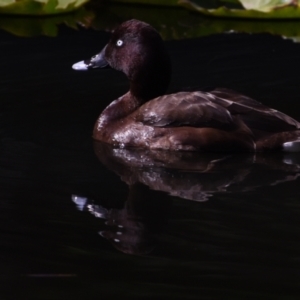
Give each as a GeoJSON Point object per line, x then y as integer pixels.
{"type": "Point", "coordinates": [287, 141]}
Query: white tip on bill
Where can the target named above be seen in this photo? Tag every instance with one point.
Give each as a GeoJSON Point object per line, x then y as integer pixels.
{"type": "Point", "coordinates": [80, 66]}
{"type": "Point", "coordinates": [293, 146]}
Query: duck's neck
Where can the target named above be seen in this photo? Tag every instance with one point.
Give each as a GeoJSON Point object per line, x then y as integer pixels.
{"type": "Point", "coordinates": [148, 87]}
{"type": "Point", "coordinates": [152, 78]}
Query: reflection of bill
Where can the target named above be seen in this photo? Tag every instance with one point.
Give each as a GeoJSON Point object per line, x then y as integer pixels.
{"type": "Point", "coordinates": [134, 228]}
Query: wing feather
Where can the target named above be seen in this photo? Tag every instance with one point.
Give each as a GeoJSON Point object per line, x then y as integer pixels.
{"type": "Point", "coordinates": [254, 114]}
{"type": "Point", "coordinates": [216, 109]}
{"type": "Point", "coordinates": [184, 109]}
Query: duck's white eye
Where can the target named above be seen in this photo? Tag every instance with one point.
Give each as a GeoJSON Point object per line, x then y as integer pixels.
{"type": "Point", "coordinates": [119, 43]}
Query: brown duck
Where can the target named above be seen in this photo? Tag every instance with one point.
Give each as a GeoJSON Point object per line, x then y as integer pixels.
{"type": "Point", "coordinates": [221, 120]}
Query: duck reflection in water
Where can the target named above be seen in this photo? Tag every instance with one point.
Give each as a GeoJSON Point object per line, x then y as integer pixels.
{"type": "Point", "coordinates": [150, 174]}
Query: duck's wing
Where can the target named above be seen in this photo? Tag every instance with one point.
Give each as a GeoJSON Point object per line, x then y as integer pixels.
{"type": "Point", "coordinates": [254, 114]}
{"type": "Point", "coordinates": [185, 109]}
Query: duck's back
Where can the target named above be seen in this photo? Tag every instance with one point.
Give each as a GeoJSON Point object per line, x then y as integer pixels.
{"type": "Point", "coordinates": [216, 109]}
{"type": "Point", "coordinates": [259, 118]}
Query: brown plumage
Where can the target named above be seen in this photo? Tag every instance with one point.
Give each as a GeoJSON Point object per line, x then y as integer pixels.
{"type": "Point", "coordinates": [222, 120]}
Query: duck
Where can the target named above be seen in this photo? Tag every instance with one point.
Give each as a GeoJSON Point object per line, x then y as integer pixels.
{"type": "Point", "coordinates": [147, 118]}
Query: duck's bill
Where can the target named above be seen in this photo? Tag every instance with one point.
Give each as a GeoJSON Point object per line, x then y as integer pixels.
{"type": "Point", "coordinates": [95, 62]}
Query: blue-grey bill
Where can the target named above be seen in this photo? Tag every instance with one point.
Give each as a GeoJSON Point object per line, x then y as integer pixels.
{"type": "Point", "coordinates": [95, 62]}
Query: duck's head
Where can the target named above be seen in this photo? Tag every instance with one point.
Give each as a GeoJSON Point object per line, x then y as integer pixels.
{"type": "Point", "coordinates": [136, 49]}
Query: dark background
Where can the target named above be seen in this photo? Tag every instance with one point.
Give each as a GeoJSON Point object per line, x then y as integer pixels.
{"type": "Point", "coordinates": [235, 245]}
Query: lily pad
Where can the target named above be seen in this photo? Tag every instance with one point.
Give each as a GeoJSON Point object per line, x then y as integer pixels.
{"type": "Point", "coordinates": [267, 5]}
{"type": "Point", "coordinates": [27, 26]}
{"type": "Point", "coordinates": [39, 7]}
{"type": "Point", "coordinates": [254, 9]}
{"type": "Point", "coordinates": [276, 12]}
{"type": "Point", "coordinates": [149, 2]}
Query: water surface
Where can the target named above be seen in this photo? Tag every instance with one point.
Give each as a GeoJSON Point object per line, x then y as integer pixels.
{"type": "Point", "coordinates": [197, 227]}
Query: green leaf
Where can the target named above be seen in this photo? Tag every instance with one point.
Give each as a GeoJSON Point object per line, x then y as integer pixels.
{"type": "Point", "coordinates": [39, 7]}
{"type": "Point", "coordinates": [6, 2]}
{"type": "Point", "coordinates": [63, 4]}
{"type": "Point", "coordinates": [258, 9]}
{"type": "Point", "coordinates": [29, 27]}
{"type": "Point", "coordinates": [150, 2]}
{"type": "Point", "coordinates": [265, 5]}
{"type": "Point", "coordinates": [284, 12]}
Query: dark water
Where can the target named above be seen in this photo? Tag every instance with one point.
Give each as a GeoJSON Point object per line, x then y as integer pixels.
{"type": "Point", "coordinates": [197, 226]}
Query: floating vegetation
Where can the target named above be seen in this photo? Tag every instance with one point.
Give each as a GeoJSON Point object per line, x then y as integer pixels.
{"type": "Point", "coordinates": [26, 26]}
{"type": "Point", "coordinates": [171, 21]}
{"type": "Point", "coordinates": [257, 9]}
{"type": "Point", "coordinates": [39, 7]}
